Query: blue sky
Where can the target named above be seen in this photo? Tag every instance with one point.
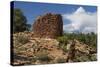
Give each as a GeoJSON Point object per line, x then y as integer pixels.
{"type": "Point", "coordinates": [33, 9]}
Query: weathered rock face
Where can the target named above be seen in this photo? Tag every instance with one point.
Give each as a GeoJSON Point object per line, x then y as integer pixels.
{"type": "Point", "coordinates": [48, 26]}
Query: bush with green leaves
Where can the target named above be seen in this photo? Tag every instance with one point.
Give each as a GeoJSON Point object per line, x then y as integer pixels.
{"type": "Point", "coordinates": [86, 38]}
{"type": "Point", "coordinates": [61, 60]}
{"type": "Point", "coordinates": [19, 21]}
{"type": "Point", "coordinates": [22, 38]}
{"type": "Point", "coordinates": [82, 58]}
{"type": "Point", "coordinates": [63, 41]}
{"type": "Point", "coordinates": [43, 56]}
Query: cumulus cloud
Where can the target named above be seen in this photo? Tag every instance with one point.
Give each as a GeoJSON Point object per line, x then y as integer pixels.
{"type": "Point", "coordinates": [81, 21]}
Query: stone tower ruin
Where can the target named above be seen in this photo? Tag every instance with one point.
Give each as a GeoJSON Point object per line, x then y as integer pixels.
{"type": "Point", "coordinates": [48, 26]}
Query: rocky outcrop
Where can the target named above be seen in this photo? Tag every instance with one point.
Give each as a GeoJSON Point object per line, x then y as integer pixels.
{"type": "Point", "coordinates": [47, 50]}
{"type": "Point", "coordinates": [48, 26]}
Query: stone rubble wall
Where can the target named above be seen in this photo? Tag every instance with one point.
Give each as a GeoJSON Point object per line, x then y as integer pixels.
{"type": "Point", "coordinates": [48, 26]}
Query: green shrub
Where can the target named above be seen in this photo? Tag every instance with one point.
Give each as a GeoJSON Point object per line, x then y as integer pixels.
{"type": "Point", "coordinates": [63, 42]}
{"type": "Point", "coordinates": [43, 56]}
{"type": "Point", "coordinates": [22, 39]}
{"type": "Point", "coordinates": [64, 48]}
{"type": "Point", "coordinates": [61, 60]}
{"type": "Point", "coordinates": [80, 57]}
{"type": "Point", "coordinates": [93, 57]}
{"type": "Point", "coordinates": [63, 39]}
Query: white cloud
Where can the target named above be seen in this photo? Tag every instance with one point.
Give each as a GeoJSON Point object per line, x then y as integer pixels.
{"type": "Point", "coordinates": [81, 21]}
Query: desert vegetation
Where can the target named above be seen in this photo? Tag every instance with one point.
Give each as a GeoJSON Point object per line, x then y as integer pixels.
{"type": "Point", "coordinates": [20, 21]}
{"type": "Point", "coordinates": [89, 39]}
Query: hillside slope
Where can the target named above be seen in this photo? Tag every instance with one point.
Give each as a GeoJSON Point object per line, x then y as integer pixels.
{"type": "Point", "coordinates": [30, 50]}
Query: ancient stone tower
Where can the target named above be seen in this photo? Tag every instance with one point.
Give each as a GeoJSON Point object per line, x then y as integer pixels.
{"type": "Point", "coordinates": [48, 26]}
